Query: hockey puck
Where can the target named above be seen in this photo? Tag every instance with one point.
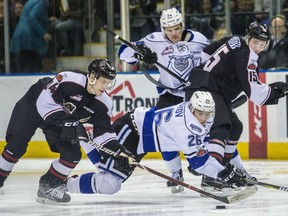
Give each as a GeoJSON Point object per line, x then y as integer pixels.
{"type": "Point", "coordinates": [220, 207]}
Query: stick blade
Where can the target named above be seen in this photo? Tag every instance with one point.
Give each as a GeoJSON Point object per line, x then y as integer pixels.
{"type": "Point", "coordinates": [241, 195]}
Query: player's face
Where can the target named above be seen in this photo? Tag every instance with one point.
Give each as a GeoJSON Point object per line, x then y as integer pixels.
{"type": "Point", "coordinates": [257, 45]}
{"type": "Point", "coordinates": [174, 33]}
{"type": "Point", "coordinates": [101, 85]}
{"type": "Point", "coordinates": [202, 116]}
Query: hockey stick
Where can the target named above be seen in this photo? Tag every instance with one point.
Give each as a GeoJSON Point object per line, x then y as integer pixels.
{"type": "Point", "coordinates": [116, 36]}
{"type": "Point", "coordinates": [267, 185]}
{"type": "Point", "coordinates": [230, 199]}
{"type": "Point", "coordinates": [238, 101]}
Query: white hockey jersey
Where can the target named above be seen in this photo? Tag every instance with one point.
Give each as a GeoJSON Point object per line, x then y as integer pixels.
{"type": "Point", "coordinates": [176, 129]}
{"type": "Point", "coordinates": [180, 57]}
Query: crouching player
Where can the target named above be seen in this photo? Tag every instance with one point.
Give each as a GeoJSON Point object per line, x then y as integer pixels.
{"type": "Point", "coordinates": [182, 127]}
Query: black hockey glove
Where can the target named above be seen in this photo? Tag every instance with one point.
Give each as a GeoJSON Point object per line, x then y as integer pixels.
{"type": "Point", "coordinates": [122, 163]}
{"type": "Point", "coordinates": [83, 134]}
{"type": "Point", "coordinates": [282, 87]}
{"type": "Point", "coordinates": [147, 56]}
{"type": "Point", "coordinates": [231, 175]}
{"type": "Point", "coordinates": [69, 125]}
{"type": "Point", "coordinates": [124, 151]}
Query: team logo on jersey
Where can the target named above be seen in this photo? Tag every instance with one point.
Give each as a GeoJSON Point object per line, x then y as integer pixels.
{"type": "Point", "coordinates": [59, 77]}
{"type": "Point", "coordinates": [252, 66]}
{"type": "Point", "coordinates": [182, 47]}
{"type": "Point", "coordinates": [167, 50]}
{"type": "Point", "coordinates": [151, 36]}
{"type": "Point", "coordinates": [84, 119]}
{"type": "Point", "coordinates": [182, 64]}
{"type": "Point", "coordinates": [195, 128]}
{"type": "Point", "coordinates": [76, 97]}
{"type": "Point", "coordinates": [234, 42]}
{"type": "Point", "coordinates": [201, 152]}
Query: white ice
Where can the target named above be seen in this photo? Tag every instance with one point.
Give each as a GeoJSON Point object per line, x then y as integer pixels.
{"type": "Point", "coordinates": [143, 194]}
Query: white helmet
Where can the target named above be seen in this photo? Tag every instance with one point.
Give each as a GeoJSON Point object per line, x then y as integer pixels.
{"type": "Point", "coordinates": [170, 17]}
{"type": "Point", "coordinates": [202, 101]}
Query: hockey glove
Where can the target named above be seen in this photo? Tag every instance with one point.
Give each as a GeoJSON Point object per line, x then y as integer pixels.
{"type": "Point", "coordinates": [147, 56]}
{"type": "Point", "coordinates": [280, 86]}
{"type": "Point", "coordinates": [69, 125]}
{"type": "Point", "coordinates": [124, 152]}
{"type": "Point", "coordinates": [123, 161]}
{"type": "Point", "coordinates": [231, 175]}
{"type": "Point", "coordinates": [83, 134]}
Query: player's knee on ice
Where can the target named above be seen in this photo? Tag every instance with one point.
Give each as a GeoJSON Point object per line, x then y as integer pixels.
{"type": "Point", "coordinates": [89, 183]}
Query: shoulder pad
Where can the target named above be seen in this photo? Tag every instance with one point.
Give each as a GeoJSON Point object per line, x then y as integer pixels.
{"type": "Point", "coordinates": [195, 37]}
{"type": "Point", "coordinates": [155, 36]}
{"type": "Point", "coordinates": [234, 42]}
{"type": "Point", "coordinates": [106, 100]}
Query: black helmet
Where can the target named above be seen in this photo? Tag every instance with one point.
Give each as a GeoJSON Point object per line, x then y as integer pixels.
{"type": "Point", "coordinates": [102, 67]}
{"type": "Point", "coordinates": [258, 31]}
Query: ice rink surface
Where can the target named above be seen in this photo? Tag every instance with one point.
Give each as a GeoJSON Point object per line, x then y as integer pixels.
{"type": "Point", "coordinates": [143, 194]}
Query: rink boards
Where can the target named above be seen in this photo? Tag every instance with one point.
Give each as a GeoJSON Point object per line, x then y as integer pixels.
{"type": "Point", "coordinates": [265, 128]}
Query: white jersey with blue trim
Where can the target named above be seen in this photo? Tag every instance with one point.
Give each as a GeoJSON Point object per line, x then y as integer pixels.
{"type": "Point", "coordinates": [179, 57]}
{"type": "Point", "coordinates": [176, 129]}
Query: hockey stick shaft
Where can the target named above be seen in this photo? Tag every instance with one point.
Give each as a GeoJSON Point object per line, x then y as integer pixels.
{"type": "Point", "coordinates": [224, 199]}
{"type": "Point", "coordinates": [267, 185]}
{"type": "Point", "coordinates": [219, 198]}
{"type": "Point", "coordinates": [116, 36]}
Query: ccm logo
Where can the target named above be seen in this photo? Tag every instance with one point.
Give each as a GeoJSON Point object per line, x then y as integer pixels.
{"type": "Point", "coordinates": [258, 120]}
{"type": "Point", "coordinates": [71, 124]}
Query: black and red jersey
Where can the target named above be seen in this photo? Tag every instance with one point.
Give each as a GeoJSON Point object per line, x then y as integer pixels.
{"type": "Point", "coordinates": [232, 68]}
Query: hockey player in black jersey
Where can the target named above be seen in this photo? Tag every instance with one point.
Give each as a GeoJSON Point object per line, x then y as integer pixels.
{"type": "Point", "coordinates": [232, 68]}
{"type": "Point", "coordinates": [59, 106]}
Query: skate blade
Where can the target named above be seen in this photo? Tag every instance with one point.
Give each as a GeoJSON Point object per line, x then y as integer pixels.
{"type": "Point", "coordinates": [50, 202]}
{"type": "Point", "coordinates": [177, 189]}
{"type": "Point", "coordinates": [242, 194]}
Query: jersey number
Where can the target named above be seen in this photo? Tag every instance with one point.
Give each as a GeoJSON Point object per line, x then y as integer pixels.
{"type": "Point", "coordinates": [194, 140]}
{"type": "Point", "coordinates": [213, 60]}
{"type": "Point", "coordinates": [253, 76]}
{"type": "Point", "coordinates": [163, 114]}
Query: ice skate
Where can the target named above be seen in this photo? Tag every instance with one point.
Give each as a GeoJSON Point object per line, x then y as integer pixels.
{"type": "Point", "coordinates": [56, 195]}
{"type": "Point", "coordinates": [2, 179]}
{"type": "Point", "coordinates": [214, 185]}
{"type": "Point", "coordinates": [174, 187]}
{"type": "Point", "coordinates": [52, 190]}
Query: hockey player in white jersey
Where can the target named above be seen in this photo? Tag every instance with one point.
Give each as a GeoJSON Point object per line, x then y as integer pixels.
{"type": "Point", "coordinates": [179, 50]}
{"type": "Point", "coordinates": [181, 127]}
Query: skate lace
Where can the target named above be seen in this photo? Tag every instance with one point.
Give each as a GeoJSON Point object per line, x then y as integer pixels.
{"type": "Point", "coordinates": [175, 175]}
{"type": "Point", "coordinates": [57, 193]}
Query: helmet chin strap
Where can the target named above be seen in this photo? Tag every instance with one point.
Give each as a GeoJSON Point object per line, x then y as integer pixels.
{"type": "Point", "coordinates": [91, 84]}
